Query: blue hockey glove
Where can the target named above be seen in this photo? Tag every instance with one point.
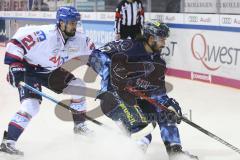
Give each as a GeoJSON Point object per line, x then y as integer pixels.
{"type": "Point", "coordinates": [174, 107]}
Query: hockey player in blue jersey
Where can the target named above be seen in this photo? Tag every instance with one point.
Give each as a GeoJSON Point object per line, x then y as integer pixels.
{"type": "Point", "coordinates": [113, 62]}
{"type": "Point", "coordinates": [35, 55]}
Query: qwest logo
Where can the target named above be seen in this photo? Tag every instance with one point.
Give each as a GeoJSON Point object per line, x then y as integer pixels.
{"type": "Point", "coordinates": [209, 54]}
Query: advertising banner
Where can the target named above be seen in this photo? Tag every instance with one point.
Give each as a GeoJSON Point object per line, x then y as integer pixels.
{"type": "Point", "coordinates": [200, 6]}
{"type": "Point", "coordinates": [204, 19]}
{"type": "Point", "coordinates": [229, 6]}
{"type": "Point", "coordinates": [212, 6]}
{"type": "Point", "coordinates": [210, 56]}
{"type": "Point", "coordinates": [229, 20]}
{"type": "Point", "coordinates": [13, 5]}
{"type": "Point", "coordinates": [202, 47]}
{"type": "Point", "coordinates": [167, 17]}
{"type": "Point", "coordinates": [100, 33]}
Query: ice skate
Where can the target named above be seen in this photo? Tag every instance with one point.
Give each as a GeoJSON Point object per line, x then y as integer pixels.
{"type": "Point", "coordinates": [8, 146]}
{"type": "Point", "coordinates": [175, 152]}
{"type": "Point", "coordinates": [82, 129]}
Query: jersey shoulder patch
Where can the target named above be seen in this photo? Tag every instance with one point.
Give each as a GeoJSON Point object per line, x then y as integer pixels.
{"type": "Point", "coordinates": [117, 46]}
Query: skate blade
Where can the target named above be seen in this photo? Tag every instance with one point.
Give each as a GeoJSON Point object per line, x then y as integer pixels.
{"type": "Point", "coordinates": [185, 157]}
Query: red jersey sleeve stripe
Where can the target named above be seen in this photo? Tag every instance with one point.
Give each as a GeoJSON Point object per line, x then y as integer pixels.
{"type": "Point", "coordinates": [13, 56]}
{"type": "Point", "coordinates": [15, 42]}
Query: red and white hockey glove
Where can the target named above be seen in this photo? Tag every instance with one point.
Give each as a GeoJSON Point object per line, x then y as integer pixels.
{"type": "Point", "coordinates": [15, 74]}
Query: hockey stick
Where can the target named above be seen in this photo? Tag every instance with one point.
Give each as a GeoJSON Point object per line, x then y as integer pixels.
{"type": "Point", "coordinates": [56, 101]}
{"type": "Point", "coordinates": [138, 135]}
{"type": "Point", "coordinates": [194, 125]}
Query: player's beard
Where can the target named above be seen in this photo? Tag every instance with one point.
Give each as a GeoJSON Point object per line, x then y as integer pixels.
{"type": "Point", "coordinates": [70, 34]}
{"type": "Point", "coordinates": [156, 49]}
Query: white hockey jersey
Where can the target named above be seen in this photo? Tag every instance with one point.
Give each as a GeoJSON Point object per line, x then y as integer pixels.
{"type": "Point", "coordinates": [44, 46]}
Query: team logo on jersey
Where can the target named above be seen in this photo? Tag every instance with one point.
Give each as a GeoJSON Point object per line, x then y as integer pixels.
{"type": "Point", "coordinates": [144, 77]}
{"type": "Point", "coordinates": [40, 35]}
{"type": "Point", "coordinates": [58, 60]}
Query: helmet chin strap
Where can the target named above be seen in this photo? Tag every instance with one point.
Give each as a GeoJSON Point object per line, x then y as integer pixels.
{"type": "Point", "coordinates": [65, 36]}
{"type": "Point", "coordinates": [65, 28]}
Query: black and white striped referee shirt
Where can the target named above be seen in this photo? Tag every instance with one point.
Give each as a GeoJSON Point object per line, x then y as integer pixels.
{"type": "Point", "coordinates": [129, 14]}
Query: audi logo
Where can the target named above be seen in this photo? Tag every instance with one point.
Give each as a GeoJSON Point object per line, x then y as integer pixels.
{"type": "Point", "coordinates": [226, 20]}
{"type": "Point", "coordinates": [193, 19]}
{"type": "Point", "coordinates": [160, 17]}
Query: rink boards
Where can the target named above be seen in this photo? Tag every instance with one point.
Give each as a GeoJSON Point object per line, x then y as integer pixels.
{"type": "Point", "coordinates": [201, 47]}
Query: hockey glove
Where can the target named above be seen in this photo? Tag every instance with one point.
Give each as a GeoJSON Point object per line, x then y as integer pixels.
{"type": "Point", "coordinates": [173, 106]}
{"type": "Point", "coordinates": [15, 74]}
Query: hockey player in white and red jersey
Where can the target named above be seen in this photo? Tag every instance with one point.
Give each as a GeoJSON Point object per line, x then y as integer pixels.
{"type": "Point", "coordinates": [35, 55]}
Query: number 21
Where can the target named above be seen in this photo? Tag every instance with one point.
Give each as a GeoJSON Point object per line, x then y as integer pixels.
{"type": "Point", "coordinates": [28, 42]}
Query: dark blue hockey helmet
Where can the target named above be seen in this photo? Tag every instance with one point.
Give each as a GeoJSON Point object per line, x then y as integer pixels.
{"type": "Point", "coordinates": [67, 13]}
{"type": "Point", "coordinates": [155, 28]}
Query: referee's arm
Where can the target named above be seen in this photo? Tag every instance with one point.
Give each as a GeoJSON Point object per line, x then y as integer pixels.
{"type": "Point", "coordinates": [141, 15]}
{"type": "Point", "coordinates": [118, 19]}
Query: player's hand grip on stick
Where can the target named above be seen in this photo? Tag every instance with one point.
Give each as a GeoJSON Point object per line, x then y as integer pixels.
{"type": "Point", "coordinates": [155, 103]}
{"type": "Point", "coordinates": [15, 74]}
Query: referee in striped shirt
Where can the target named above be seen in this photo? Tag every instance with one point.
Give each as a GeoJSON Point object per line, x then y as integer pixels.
{"type": "Point", "coordinates": [129, 19]}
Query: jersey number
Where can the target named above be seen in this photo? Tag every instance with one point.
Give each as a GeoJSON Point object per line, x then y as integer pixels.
{"type": "Point", "coordinates": [28, 42]}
